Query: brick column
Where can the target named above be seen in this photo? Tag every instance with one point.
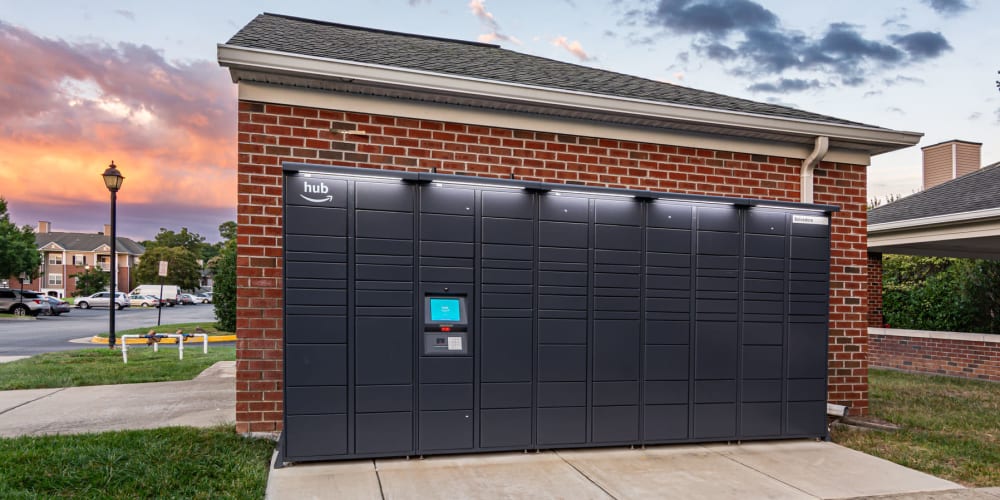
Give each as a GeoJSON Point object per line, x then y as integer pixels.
{"type": "Point", "coordinates": [875, 318]}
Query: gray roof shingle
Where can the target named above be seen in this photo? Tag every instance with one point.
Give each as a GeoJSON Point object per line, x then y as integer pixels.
{"type": "Point", "coordinates": [483, 61]}
{"type": "Point", "coordinates": [86, 242]}
{"type": "Point", "coordinates": [979, 190]}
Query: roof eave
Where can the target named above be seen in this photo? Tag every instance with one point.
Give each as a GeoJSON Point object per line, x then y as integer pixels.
{"type": "Point", "coordinates": [935, 221]}
{"type": "Point", "coordinates": [873, 140]}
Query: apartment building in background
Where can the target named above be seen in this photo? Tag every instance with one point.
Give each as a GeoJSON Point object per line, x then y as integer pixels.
{"type": "Point", "coordinates": [66, 254]}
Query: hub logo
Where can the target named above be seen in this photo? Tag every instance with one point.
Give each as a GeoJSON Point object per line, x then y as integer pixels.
{"type": "Point", "coordinates": [316, 189]}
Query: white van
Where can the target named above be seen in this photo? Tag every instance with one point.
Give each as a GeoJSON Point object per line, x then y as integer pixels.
{"type": "Point", "coordinates": [169, 297]}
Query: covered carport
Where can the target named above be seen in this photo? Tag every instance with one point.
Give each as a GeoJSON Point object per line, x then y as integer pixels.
{"type": "Point", "coordinates": [959, 218]}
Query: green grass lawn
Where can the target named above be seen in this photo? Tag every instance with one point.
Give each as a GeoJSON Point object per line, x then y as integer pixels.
{"type": "Point", "coordinates": [209, 328]}
{"type": "Point", "coordinates": [104, 366]}
{"type": "Point", "coordinates": [174, 462]}
{"type": "Point", "coordinates": [950, 426]}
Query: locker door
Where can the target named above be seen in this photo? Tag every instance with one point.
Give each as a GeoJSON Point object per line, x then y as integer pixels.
{"type": "Point", "coordinates": [563, 238]}
{"type": "Point", "coordinates": [616, 349]}
{"type": "Point", "coordinates": [507, 310]}
{"type": "Point", "coordinates": [763, 304]}
{"type": "Point", "coordinates": [808, 309]}
{"type": "Point", "coordinates": [668, 296]}
{"type": "Point", "coordinates": [716, 339]}
{"type": "Point", "coordinates": [315, 342]}
{"type": "Point", "coordinates": [384, 317]}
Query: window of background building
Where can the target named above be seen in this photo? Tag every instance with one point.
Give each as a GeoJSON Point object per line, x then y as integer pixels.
{"type": "Point", "coordinates": [79, 260]}
{"type": "Point", "coordinates": [55, 279]}
{"type": "Point", "coordinates": [55, 259]}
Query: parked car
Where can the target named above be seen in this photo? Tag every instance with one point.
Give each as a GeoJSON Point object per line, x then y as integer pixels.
{"type": "Point", "coordinates": [185, 299]}
{"type": "Point", "coordinates": [103, 299]}
{"type": "Point", "coordinates": [204, 298]}
{"type": "Point", "coordinates": [23, 303]}
{"type": "Point", "coordinates": [57, 306]}
{"type": "Point", "coordinates": [144, 300]}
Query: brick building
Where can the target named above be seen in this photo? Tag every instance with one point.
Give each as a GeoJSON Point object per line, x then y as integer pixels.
{"type": "Point", "coordinates": [65, 254]}
{"type": "Point", "coordinates": [330, 94]}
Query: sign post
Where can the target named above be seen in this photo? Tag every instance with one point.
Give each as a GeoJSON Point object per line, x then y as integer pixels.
{"type": "Point", "coordinates": [163, 274]}
{"type": "Point", "coordinates": [24, 277]}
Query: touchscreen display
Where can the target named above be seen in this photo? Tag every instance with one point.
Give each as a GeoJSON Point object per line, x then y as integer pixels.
{"type": "Point", "coordinates": [445, 309]}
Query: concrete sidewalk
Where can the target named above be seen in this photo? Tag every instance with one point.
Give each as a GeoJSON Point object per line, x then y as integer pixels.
{"type": "Point", "coordinates": [780, 469]}
{"type": "Point", "coordinates": [208, 400]}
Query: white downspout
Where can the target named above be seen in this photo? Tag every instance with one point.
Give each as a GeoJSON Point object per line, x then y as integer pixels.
{"type": "Point", "coordinates": [809, 165]}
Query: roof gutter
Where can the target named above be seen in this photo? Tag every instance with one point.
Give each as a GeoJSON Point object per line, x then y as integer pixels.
{"type": "Point", "coordinates": [809, 165]}
{"type": "Point", "coordinates": [351, 71]}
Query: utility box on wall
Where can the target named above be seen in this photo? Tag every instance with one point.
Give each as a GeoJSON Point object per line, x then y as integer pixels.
{"type": "Point", "coordinates": [431, 314]}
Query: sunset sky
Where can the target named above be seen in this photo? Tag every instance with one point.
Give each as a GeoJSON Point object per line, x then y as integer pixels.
{"type": "Point", "coordinates": [84, 83]}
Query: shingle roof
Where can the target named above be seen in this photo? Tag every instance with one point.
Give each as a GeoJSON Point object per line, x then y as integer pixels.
{"type": "Point", "coordinates": [483, 61]}
{"type": "Point", "coordinates": [86, 242]}
{"type": "Point", "coordinates": [979, 190]}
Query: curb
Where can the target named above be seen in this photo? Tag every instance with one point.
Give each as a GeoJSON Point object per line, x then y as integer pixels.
{"type": "Point", "coordinates": [214, 338]}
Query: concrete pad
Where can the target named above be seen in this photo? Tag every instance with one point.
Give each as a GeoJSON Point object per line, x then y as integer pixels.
{"type": "Point", "coordinates": [12, 399]}
{"type": "Point", "coordinates": [488, 476]}
{"type": "Point", "coordinates": [963, 494]}
{"type": "Point", "coordinates": [204, 402]}
{"type": "Point", "coordinates": [354, 479]}
{"type": "Point", "coordinates": [676, 471]}
{"type": "Point", "coordinates": [828, 470]}
{"type": "Point", "coordinates": [8, 359]}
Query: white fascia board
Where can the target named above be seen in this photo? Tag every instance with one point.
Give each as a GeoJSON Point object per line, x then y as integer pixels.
{"type": "Point", "coordinates": [935, 220]}
{"type": "Point", "coordinates": [267, 60]}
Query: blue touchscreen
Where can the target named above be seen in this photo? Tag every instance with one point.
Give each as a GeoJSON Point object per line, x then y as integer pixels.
{"type": "Point", "coordinates": [445, 310]}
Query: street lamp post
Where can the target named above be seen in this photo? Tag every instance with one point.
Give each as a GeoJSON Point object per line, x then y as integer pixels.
{"type": "Point", "coordinates": [113, 180]}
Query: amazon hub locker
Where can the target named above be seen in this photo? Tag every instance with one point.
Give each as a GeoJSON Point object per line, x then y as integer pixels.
{"type": "Point", "coordinates": [429, 314]}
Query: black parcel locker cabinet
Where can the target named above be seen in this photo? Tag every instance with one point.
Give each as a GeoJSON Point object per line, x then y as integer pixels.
{"type": "Point", "coordinates": [429, 314]}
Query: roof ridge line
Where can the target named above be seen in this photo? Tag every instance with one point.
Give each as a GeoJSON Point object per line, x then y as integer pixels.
{"type": "Point", "coordinates": [379, 30]}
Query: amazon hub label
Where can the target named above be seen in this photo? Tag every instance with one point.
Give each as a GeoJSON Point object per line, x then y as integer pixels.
{"type": "Point", "coordinates": [315, 191]}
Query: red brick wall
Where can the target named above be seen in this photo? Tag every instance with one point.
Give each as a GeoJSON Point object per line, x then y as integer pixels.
{"type": "Point", "coordinates": [270, 134]}
{"type": "Point", "coordinates": [954, 357]}
{"type": "Point", "coordinates": [875, 318]}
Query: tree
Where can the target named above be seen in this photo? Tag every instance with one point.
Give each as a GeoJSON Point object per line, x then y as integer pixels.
{"type": "Point", "coordinates": [91, 280]}
{"type": "Point", "coordinates": [18, 252]}
{"type": "Point", "coordinates": [182, 267]}
{"type": "Point", "coordinates": [228, 230]}
{"type": "Point", "coordinates": [192, 242]}
{"type": "Point", "coordinates": [224, 291]}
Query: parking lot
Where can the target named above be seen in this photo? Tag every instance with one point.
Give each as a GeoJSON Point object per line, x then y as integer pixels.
{"type": "Point", "coordinates": [54, 333]}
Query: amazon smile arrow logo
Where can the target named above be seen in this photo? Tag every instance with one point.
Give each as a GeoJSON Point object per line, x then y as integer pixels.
{"type": "Point", "coordinates": [320, 188]}
{"type": "Point", "coordinates": [315, 200]}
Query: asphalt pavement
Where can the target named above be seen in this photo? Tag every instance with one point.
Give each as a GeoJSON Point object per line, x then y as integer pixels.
{"type": "Point", "coordinates": [27, 337]}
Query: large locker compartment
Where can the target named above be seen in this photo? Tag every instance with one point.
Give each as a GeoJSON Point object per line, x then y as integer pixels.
{"type": "Point", "coordinates": [429, 314]}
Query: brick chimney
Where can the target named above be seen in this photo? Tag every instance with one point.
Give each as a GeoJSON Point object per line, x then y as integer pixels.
{"type": "Point", "coordinates": [950, 159]}
{"type": "Point", "coordinates": [107, 230]}
{"type": "Point", "coordinates": [44, 226]}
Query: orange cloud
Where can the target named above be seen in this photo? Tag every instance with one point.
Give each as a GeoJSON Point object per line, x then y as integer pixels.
{"type": "Point", "coordinates": [68, 109]}
{"type": "Point", "coordinates": [573, 47]}
{"type": "Point", "coordinates": [478, 8]}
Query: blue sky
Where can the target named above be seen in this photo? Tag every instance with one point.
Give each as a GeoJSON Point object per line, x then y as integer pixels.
{"type": "Point", "coordinates": [82, 83]}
